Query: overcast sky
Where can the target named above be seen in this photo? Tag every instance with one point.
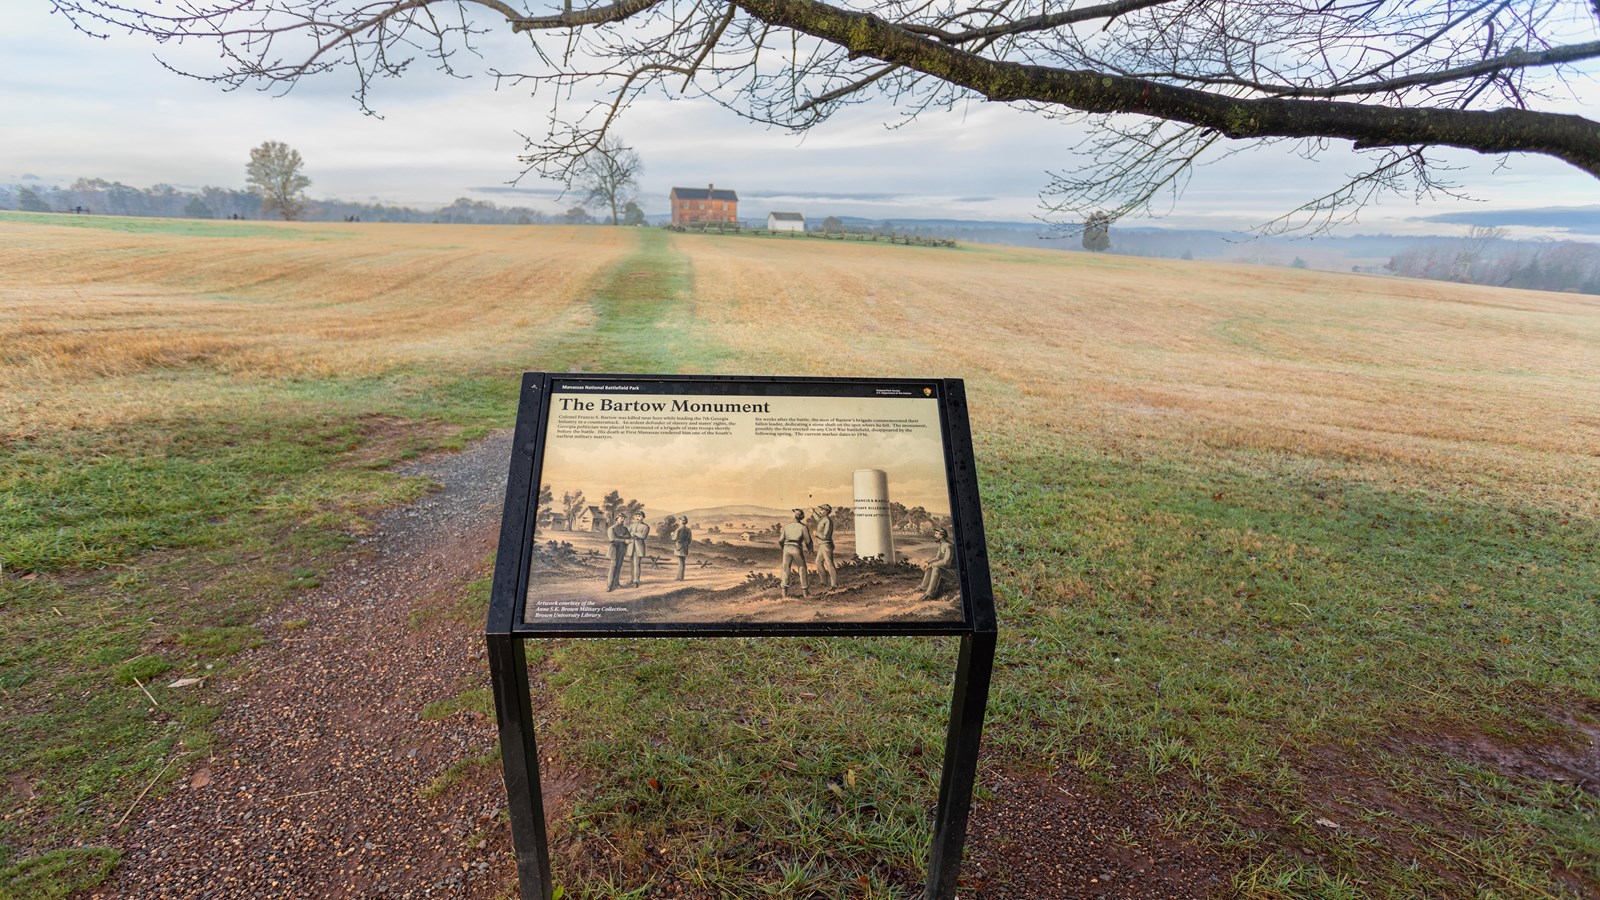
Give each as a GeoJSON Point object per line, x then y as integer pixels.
{"type": "Point", "coordinates": [72, 106]}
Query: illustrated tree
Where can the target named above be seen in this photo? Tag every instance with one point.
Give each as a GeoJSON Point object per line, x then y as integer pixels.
{"type": "Point", "coordinates": [545, 499]}
{"type": "Point", "coordinates": [1097, 232]}
{"type": "Point", "coordinates": [274, 172]}
{"type": "Point", "coordinates": [608, 176]}
{"type": "Point", "coordinates": [898, 517]}
{"type": "Point", "coordinates": [612, 504]}
{"type": "Point", "coordinates": [1165, 85]}
{"type": "Point", "coordinates": [917, 516]}
{"type": "Point", "coordinates": [572, 503]}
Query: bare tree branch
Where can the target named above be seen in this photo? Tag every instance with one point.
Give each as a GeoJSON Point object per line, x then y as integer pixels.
{"type": "Point", "coordinates": [1166, 84]}
{"type": "Point", "coordinates": [1573, 139]}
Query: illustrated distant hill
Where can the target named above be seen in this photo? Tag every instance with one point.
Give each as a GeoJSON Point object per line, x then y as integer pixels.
{"type": "Point", "coordinates": [741, 515]}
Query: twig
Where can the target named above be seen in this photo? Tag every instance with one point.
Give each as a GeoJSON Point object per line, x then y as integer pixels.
{"type": "Point", "coordinates": [301, 794]}
{"type": "Point", "coordinates": [146, 691]}
{"type": "Point", "coordinates": [141, 795]}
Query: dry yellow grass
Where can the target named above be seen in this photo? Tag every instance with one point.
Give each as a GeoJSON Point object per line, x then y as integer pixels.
{"type": "Point", "coordinates": [1421, 383]}
{"type": "Point", "coordinates": [96, 325]}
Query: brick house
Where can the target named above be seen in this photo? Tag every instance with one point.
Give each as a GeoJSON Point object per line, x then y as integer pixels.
{"type": "Point", "coordinates": [705, 204]}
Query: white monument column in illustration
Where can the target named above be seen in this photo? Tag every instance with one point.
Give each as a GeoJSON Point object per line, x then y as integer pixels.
{"type": "Point", "coordinates": [873, 534]}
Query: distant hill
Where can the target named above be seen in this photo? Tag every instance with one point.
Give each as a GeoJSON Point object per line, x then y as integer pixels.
{"type": "Point", "coordinates": [757, 516]}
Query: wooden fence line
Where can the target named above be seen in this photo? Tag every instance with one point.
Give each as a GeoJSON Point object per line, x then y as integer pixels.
{"type": "Point", "coordinates": [910, 240]}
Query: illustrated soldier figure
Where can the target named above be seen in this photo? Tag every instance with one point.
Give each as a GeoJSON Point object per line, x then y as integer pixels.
{"type": "Point", "coordinates": [941, 568]}
{"type": "Point", "coordinates": [618, 537]}
{"type": "Point", "coordinates": [638, 532]}
{"type": "Point", "coordinates": [681, 538]}
{"type": "Point", "coordinates": [823, 532]}
{"type": "Point", "coordinates": [795, 538]}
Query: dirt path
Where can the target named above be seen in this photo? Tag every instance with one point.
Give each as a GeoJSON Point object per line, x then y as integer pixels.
{"type": "Point", "coordinates": [316, 787]}
{"type": "Point", "coordinates": [327, 781]}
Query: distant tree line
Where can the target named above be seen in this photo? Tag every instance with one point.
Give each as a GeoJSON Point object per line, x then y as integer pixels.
{"type": "Point", "coordinates": [1487, 256]}
{"type": "Point", "coordinates": [113, 198]}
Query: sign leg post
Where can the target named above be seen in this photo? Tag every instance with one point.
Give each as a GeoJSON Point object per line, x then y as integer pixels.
{"type": "Point", "coordinates": [960, 772]}
{"type": "Point", "coordinates": [508, 665]}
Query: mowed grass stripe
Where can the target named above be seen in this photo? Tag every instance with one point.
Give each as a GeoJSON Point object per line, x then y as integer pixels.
{"type": "Point", "coordinates": [643, 316]}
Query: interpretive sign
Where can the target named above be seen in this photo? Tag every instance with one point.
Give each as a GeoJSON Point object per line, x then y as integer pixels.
{"type": "Point", "coordinates": [730, 505]}
{"type": "Point", "coordinates": [693, 503]}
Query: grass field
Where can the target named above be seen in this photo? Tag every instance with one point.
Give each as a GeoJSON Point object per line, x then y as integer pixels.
{"type": "Point", "coordinates": [1270, 546]}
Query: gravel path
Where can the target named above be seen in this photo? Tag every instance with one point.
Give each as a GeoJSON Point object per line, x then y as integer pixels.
{"type": "Point", "coordinates": [316, 788]}
{"type": "Point", "coordinates": [319, 784]}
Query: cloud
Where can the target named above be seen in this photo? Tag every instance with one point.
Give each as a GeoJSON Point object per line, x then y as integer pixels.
{"type": "Point", "coordinates": [526, 191]}
{"type": "Point", "coordinates": [1573, 219]}
{"type": "Point", "coordinates": [852, 197]}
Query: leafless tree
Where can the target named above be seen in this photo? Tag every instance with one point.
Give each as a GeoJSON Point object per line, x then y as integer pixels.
{"type": "Point", "coordinates": [1167, 85]}
{"type": "Point", "coordinates": [608, 175]}
{"type": "Point", "coordinates": [1475, 249]}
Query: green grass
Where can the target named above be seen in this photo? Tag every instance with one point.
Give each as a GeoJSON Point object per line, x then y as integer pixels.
{"type": "Point", "coordinates": [733, 761]}
{"type": "Point", "coordinates": [150, 552]}
{"type": "Point", "coordinates": [57, 874]}
{"type": "Point", "coordinates": [172, 227]}
{"type": "Point", "coordinates": [459, 770]}
{"type": "Point", "coordinates": [1214, 627]}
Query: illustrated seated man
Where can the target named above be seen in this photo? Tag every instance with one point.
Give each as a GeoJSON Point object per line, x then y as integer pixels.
{"type": "Point", "coordinates": [941, 570]}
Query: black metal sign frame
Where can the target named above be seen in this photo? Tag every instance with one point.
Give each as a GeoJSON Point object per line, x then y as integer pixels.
{"type": "Point", "coordinates": [509, 627]}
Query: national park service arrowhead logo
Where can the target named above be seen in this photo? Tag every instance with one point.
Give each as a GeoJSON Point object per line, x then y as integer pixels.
{"type": "Point", "coordinates": [927, 392]}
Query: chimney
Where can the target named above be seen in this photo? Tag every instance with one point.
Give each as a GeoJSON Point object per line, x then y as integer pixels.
{"type": "Point", "coordinates": [710, 189]}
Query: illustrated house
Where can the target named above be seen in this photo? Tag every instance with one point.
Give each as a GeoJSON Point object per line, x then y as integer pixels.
{"type": "Point", "coordinates": [590, 518]}
{"type": "Point", "coordinates": [786, 221]}
{"type": "Point", "coordinates": [707, 204]}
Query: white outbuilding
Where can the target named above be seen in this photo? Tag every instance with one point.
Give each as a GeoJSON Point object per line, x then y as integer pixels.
{"type": "Point", "coordinates": [786, 221]}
